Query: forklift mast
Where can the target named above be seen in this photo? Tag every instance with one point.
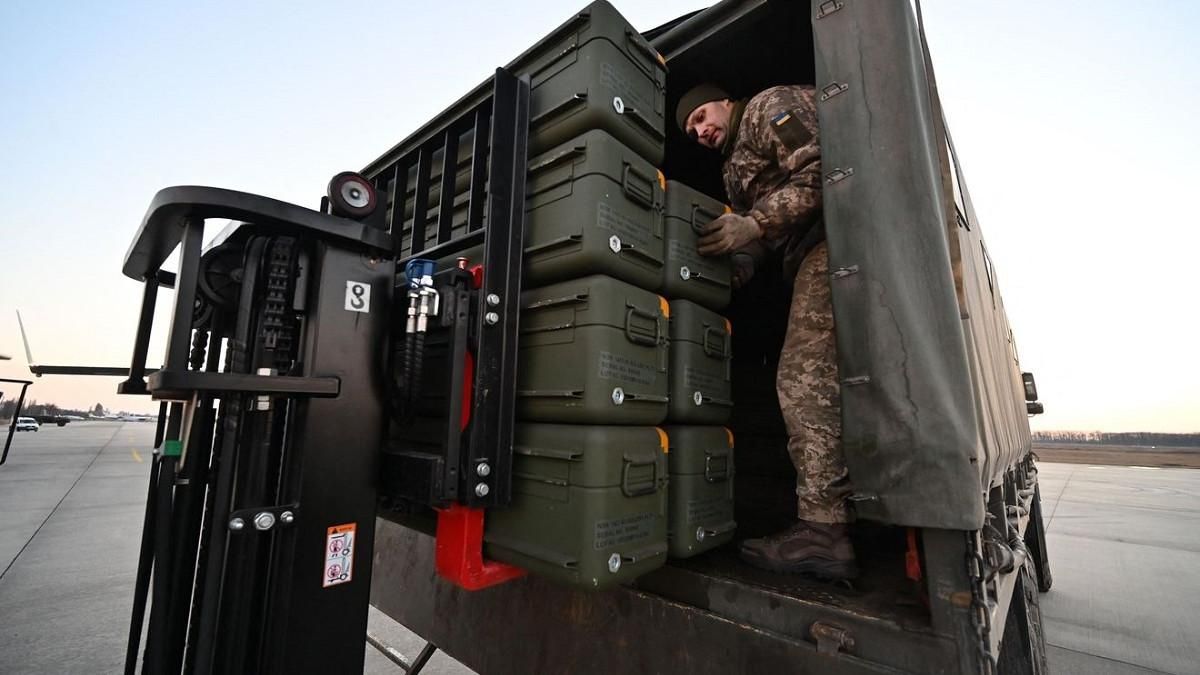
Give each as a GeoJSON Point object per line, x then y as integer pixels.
{"type": "Point", "coordinates": [295, 342]}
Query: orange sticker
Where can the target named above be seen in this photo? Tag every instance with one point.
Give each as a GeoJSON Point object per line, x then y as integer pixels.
{"type": "Point", "coordinates": [662, 181]}
{"type": "Point", "coordinates": [339, 555]}
{"type": "Point", "coordinates": [664, 306]}
{"type": "Point", "coordinates": [729, 433]}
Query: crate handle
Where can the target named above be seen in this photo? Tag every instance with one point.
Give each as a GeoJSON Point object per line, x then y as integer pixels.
{"type": "Point", "coordinates": [648, 488]}
{"type": "Point", "coordinates": [638, 338]}
{"type": "Point", "coordinates": [712, 473]}
{"type": "Point", "coordinates": [638, 193]}
{"type": "Point", "coordinates": [639, 44]}
{"type": "Point", "coordinates": [709, 216]}
{"type": "Point", "coordinates": [718, 347]}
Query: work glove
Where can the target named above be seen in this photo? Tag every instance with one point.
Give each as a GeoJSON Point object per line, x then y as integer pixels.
{"type": "Point", "coordinates": [727, 234]}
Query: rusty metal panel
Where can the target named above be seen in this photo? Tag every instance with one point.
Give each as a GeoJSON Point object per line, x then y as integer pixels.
{"type": "Point", "coordinates": [533, 626]}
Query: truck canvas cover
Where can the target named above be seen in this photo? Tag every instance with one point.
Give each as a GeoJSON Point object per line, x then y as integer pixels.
{"type": "Point", "coordinates": [931, 402]}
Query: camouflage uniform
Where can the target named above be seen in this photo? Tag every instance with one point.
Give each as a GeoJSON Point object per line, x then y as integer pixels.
{"type": "Point", "coordinates": [772, 173]}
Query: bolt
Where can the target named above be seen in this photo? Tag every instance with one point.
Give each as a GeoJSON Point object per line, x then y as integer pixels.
{"type": "Point", "coordinates": [264, 521]}
{"type": "Point", "coordinates": [493, 299]}
{"type": "Point", "coordinates": [618, 396]}
{"type": "Point", "coordinates": [685, 273]}
{"type": "Point", "coordinates": [614, 244]}
{"type": "Point", "coordinates": [482, 490]}
{"type": "Point", "coordinates": [618, 105]}
{"type": "Point", "coordinates": [698, 398]}
{"type": "Point", "coordinates": [614, 563]}
{"type": "Point", "coordinates": [237, 524]}
{"type": "Point", "coordinates": [483, 469]}
{"type": "Point", "coordinates": [491, 318]}
{"type": "Point", "coordinates": [287, 517]}
{"type": "Point", "coordinates": [700, 534]}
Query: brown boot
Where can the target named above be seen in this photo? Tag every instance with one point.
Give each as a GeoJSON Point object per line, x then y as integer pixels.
{"type": "Point", "coordinates": [819, 549]}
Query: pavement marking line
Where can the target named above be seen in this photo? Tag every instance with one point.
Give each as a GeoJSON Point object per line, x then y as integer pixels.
{"type": "Point", "coordinates": [136, 456]}
{"type": "Point", "coordinates": [60, 501]}
{"type": "Point", "coordinates": [1107, 658]}
{"type": "Point", "coordinates": [1059, 498]}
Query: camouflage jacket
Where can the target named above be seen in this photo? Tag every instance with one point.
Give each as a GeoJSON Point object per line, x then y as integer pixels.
{"type": "Point", "coordinates": [773, 170]}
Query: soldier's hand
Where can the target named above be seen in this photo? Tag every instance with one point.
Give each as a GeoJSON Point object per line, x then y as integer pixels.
{"type": "Point", "coordinates": [728, 233]}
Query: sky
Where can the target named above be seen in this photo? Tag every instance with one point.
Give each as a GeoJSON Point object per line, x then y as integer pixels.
{"type": "Point", "coordinates": [1073, 123]}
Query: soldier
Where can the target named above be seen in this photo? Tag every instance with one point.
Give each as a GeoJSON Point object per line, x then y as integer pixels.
{"type": "Point", "coordinates": [772, 172]}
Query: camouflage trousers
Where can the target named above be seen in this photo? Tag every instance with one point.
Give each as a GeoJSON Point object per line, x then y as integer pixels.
{"type": "Point", "coordinates": [809, 395]}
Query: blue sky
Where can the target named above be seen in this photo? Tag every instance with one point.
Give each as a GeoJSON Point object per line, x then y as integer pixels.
{"type": "Point", "coordinates": [1074, 124]}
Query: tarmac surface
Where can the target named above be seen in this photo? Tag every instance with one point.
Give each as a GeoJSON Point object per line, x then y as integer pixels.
{"type": "Point", "coordinates": [1124, 545]}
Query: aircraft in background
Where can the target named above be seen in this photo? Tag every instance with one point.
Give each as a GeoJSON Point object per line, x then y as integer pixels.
{"type": "Point", "coordinates": [39, 369]}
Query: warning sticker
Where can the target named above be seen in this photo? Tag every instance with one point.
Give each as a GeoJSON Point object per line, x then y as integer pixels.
{"type": "Point", "coordinates": [339, 555]}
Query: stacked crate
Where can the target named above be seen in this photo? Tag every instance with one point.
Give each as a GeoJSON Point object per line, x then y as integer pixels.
{"type": "Point", "coordinates": [605, 360]}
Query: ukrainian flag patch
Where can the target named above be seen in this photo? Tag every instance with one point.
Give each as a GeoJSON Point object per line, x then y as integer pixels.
{"type": "Point", "coordinates": [781, 118]}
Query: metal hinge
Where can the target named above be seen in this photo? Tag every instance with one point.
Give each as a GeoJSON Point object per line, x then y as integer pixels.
{"type": "Point", "coordinates": [831, 639]}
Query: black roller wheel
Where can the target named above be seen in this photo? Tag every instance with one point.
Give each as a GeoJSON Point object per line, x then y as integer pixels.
{"type": "Point", "coordinates": [221, 275]}
{"type": "Point", "coordinates": [351, 195]}
{"type": "Point", "coordinates": [1023, 649]}
{"type": "Point", "coordinates": [1035, 541]}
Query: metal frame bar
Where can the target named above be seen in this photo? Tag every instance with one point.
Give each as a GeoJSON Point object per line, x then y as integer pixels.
{"type": "Point", "coordinates": [496, 196]}
{"type": "Point", "coordinates": [12, 426]}
{"type": "Point", "coordinates": [496, 343]}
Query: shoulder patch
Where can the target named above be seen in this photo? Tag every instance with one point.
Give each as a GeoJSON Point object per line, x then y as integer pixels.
{"type": "Point", "coordinates": [790, 130]}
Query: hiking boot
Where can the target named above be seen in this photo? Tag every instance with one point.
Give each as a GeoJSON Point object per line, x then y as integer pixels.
{"type": "Point", "coordinates": [820, 549]}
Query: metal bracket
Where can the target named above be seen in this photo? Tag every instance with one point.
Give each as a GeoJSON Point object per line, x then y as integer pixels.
{"type": "Point", "coordinates": [830, 638]}
{"type": "Point", "coordinates": [838, 175]}
{"type": "Point", "coordinates": [843, 272]}
{"type": "Point", "coordinates": [833, 89]}
{"type": "Point", "coordinates": [262, 519]}
{"type": "Point", "coordinates": [828, 8]}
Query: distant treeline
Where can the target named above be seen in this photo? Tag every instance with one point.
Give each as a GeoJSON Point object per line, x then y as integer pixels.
{"type": "Point", "coordinates": [34, 409]}
{"type": "Point", "coordinates": [1129, 438]}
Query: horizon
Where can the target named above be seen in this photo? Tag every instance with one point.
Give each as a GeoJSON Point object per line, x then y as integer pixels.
{"type": "Point", "coordinates": [1078, 178]}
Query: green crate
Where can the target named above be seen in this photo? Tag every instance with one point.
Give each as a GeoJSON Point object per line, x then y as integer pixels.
{"type": "Point", "coordinates": [687, 275]}
{"type": "Point", "coordinates": [596, 72]}
{"type": "Point", "coordinates": [701, 391]}
{"type": "Point", "coordinates": [701, 468]}
{"type": "Point", "coordinates": [589, 504]}
{"type": "Point", "coordinates": [593, 207]}
{"type": "Point", "coordinates": [592, 351]}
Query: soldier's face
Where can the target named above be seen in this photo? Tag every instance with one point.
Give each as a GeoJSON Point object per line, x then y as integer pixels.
{"type": "Point", "coordinates": [708, 124]}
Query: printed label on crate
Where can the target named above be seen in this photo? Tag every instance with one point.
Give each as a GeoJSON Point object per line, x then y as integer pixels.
{"type": "Point", "coordinates": [339, 555]}
{"type": "Point", "coordinates": [695, 378]}
{"type": "Point", "coordinates": [610, 533]}
{"type": "Point", "coordinates": [612, 78]}
{"type": "Point", "coordinates": [613, 367]}
{"type": "Point", "coordinates": [627, 228]}
{"type": "Point", "coordinates": [709, 509]}
{"type": "Point", "coordinates": [685, 252]}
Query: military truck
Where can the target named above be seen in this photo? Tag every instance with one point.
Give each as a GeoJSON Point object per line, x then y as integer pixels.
{"type": "Point", "coordinates": [373, 358]}
{"type": "Point", "coordinates": [950, 533]}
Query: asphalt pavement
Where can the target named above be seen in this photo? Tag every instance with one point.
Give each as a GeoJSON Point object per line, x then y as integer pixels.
{"type": "Point", "coordinates": [1124, 545]}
